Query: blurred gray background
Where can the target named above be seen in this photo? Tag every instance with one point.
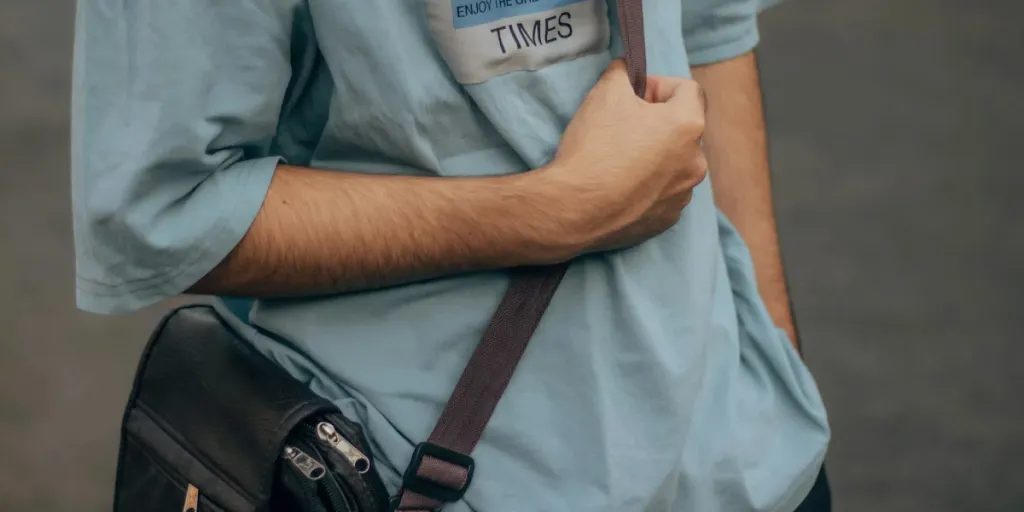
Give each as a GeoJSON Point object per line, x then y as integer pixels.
{"type": "Point", "coordinates": [895, 127]}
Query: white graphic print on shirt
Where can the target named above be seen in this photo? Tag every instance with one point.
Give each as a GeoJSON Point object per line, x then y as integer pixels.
{"type": "Point", "coordinates": [481, 39]}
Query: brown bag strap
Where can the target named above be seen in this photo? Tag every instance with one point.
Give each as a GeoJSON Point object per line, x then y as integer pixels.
{"type": "Point", "coordinates": [631, 25]}
{"type": "Point", "coordinates": [441, 469]}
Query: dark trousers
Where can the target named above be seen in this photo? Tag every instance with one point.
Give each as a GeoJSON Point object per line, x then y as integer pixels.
{"type": "Point", "coordinates": [820, 497]}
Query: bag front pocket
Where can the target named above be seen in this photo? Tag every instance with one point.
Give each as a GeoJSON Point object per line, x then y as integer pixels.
{"type": "Point", "coordinates": [481, 39]}
{"type": "Point", "coordinates": [147, 485]}
{"type": "Point", "coordinates": [155, 471]}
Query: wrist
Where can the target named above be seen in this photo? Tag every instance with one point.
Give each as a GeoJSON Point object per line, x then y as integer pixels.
{"type": "Point", "coordinates": [553, 214]}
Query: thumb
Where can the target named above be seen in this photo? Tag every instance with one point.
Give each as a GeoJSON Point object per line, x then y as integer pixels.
{"type": "Point", "coordinates": [616, 75]}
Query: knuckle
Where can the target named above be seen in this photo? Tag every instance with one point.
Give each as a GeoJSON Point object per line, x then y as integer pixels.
{"type": "Point", "coordinates": [699, 171]}
{"type": "Point", "coordinates": [700, 164]}
{"type": "Point", "coordinates": [696, 170]}
{"type": "Point", "coordinates": [689, 121]}
{"type": "Point", "coordinates": [697, 124]}
{"type": "Point", "coordinates": [699, 98]}
{"type": "Point", "coordinates": [692, 89]}
{"type": "Point", "coordinates": [684, 201]}
{"type": "Point", "coordinates": [700, 174]}
{"type": "Point", "coordinates": [702, 98]}
{"type": "Point", "coordinates": [688, 126]}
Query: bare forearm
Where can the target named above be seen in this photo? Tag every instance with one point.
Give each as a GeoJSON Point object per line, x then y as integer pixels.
{"type": "Point", "coordinates": [322, 232]}
{"type": "Point", "coordinates": [736, 148]}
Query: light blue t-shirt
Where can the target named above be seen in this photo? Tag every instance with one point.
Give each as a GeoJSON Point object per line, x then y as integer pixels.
{"type": "Point", "coordinates": [656, 380]}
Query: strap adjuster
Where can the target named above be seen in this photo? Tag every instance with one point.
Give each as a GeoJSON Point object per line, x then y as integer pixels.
{"type": "Point", "coordinates": [413, 482]}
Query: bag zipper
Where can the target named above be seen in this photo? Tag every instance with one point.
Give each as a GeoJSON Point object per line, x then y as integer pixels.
{"type": "Point", "coordinates": [342, 445]}
{"type": "Point", "coordinates": [308, 466]}
{"type": "Point", "coordinates": [313, 472]}
{"type": "Point", "coordinates": [352, 435]}
{"type": "Point", "coordinates": [357, 459]}
{"type": "Point", "coordinates": [305, 478]}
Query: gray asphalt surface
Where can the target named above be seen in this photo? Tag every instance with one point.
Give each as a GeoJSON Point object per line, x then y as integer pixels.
{"type": "Point", "coordinates": [895, 133]}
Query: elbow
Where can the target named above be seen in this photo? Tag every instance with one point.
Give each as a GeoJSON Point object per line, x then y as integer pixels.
{"type": "Point", "coordinates": [135, 243]}
{"type": "Point", "coordinates": [162, 233]}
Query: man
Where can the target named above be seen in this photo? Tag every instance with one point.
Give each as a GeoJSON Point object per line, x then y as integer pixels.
{"type": "Point", "coordinates": [365, 170]}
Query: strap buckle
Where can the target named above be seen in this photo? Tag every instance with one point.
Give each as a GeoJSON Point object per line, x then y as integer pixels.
{"type": "Point", "coordinates": [413, 482]}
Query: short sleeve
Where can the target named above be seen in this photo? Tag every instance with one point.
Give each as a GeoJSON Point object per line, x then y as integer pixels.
{"type": "Point", "coordinates": [175, 106]}
{"type": "Point", "coordinates": [717, 30]}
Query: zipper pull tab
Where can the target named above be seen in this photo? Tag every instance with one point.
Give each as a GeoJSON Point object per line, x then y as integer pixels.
{"type": "Point", "coordinates": [356, 458]}
{"type": "Point", "coordinates": [304, 463]}
{"type": "Point", "coordinates": [191, 499]}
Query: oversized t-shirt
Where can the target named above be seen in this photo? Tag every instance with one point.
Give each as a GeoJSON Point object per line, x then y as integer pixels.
{"type": "Point", "coordinates": [655, 382]}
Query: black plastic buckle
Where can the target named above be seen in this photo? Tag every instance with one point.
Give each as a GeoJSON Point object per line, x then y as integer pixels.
{"type": "Point", "coordinates": [414, 483]}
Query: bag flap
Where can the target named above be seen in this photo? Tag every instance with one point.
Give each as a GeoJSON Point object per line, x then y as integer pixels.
{"type": "Point", "coordinates": [230, 407]}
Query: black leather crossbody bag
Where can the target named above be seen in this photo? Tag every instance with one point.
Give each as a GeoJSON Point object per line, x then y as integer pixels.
{"type": "Point", "coordinates": [213, 425]}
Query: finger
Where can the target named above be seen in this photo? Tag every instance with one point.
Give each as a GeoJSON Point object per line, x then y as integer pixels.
{"type": "Point", "coordinates": [690, 93]}
{"type": "Point", "coordinates": [661, 88]}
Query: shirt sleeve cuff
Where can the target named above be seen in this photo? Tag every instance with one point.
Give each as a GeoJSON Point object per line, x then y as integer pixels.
{"type": "Point", "coordinates": [232, 197]}
{"type": "Point", "coordinates": [725, 44]}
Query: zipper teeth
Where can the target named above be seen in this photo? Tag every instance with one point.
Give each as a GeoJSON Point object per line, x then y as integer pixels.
{"type": "Point", "coordinates": [335, 495]}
